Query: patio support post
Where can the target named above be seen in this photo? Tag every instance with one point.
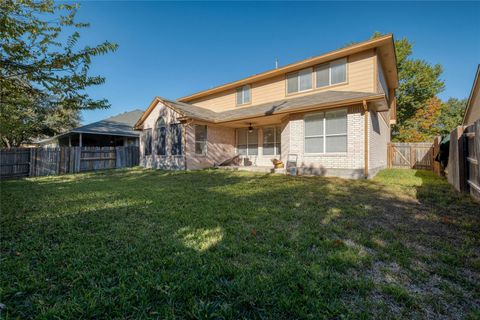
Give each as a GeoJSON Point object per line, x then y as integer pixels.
{"type": "Point", "coordinates": [80, 140]}
{"type": "Point", "coordinates": [365, 130]}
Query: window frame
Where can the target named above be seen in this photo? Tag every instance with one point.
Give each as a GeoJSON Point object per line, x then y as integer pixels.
{"type": "Point", "coordinates": [240, 90]}
{"type": "Point", "coordinates": [145, 140]}
{"type": "Point", "coordinates": [275, 142]}
{"type": "Point", "coordinates": [178, 126]}
{"type": "Point", "coordinates": [204, 153]}
{"type": "Point", "coordinates": [329, 64]}
{"type": "Point", "coordinates": [297, 73]}
{"type": "Point", "coordinates": [247, 142]}
{"type": "Point", "coordinates": [158, 125]}
{"type": "Point", "coordinates": [324, 134]}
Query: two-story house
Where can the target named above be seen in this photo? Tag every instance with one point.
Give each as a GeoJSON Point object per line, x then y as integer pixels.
{"type": "Point", "coordinates": [331, 113]}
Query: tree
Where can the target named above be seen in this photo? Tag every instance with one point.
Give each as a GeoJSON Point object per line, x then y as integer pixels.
{"type": "Point", "coordinates": [451, 115]}
{"type": "Point", "coordinates": [43, 80]}
{"type": "Point", "coordinates": [422, 126]}
{"type": "Point", "coordinates": [419, 81]}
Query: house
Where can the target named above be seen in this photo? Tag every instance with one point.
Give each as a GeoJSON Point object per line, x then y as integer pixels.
{"type": "Point", "coordinates": [326, 115]}
{"type": "Point", "coordinates": [111, 132]}
{"type": "Point", "coordinates": [472, 112]}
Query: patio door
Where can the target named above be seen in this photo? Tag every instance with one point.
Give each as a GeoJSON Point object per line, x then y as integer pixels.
{"type": "Point", "coordinates": [247, 142]}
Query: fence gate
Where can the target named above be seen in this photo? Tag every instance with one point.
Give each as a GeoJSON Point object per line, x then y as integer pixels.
{"type": "Point", "coordinates": [416, 155]}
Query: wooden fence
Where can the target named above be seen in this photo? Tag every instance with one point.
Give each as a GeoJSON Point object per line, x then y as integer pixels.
{"type": "Point", "coordinates": [463, 168]}
{"type": "Point", "coordinates": [417, 155]}
{"type": "Point", "coordinates": [35, 162]}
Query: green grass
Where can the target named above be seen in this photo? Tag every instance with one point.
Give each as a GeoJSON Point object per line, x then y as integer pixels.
{"type": "Point", "coordinates": [230, 245]}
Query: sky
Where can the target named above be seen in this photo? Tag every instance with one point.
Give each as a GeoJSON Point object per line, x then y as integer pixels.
{"type": "Point", "coordinates": [173, 49]}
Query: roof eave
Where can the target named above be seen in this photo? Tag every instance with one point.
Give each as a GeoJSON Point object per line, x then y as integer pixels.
{"type": "Point", "coordinates": [341, 103]}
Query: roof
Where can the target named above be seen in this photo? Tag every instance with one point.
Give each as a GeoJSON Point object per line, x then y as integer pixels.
{"type": "Point", "coordinates": [119, 125]}
{"type": "Point", "coordinates": [384, 44]}
{"type": "Point", "coordinates": [471, 99]}
{"type": "Point", "coordinates": [327, 98]}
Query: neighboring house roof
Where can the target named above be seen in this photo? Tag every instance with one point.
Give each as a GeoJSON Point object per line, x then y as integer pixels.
{"type": "Point", "coordinates": [472, 112]}
{"type": "Point", "coordinates": [384, 44]}
{"type": "Point", "coordinates": [265, 109]}
{"type": "Point", "coordinates": [119, 125]}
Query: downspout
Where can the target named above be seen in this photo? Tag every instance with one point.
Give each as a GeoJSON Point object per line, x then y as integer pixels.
{"type": "Point", "coordinates": [365, 130]}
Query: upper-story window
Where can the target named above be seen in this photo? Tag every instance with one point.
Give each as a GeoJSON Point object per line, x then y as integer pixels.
{"type": "Point", "coordinates": [243, 95]}
{"type": "Point", "coordinates": [331, 73]}
{"type": "Point", "coordinates": [299, 81]}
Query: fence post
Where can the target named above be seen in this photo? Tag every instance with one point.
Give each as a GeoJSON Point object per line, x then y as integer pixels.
{"type": "Point", "coordinates": [31, 166]}
{"type": "Point", "coordinates": [78, 155]}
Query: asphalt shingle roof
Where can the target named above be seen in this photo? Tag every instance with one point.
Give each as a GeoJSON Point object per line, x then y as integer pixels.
{"type": "Point", "coordinates": [270, 108]}
{"type": "Point", "coordinates": [121, 125]}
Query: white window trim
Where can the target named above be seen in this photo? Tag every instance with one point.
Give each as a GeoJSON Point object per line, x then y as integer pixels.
{"type": "Point", "coordinates": [205, 141]}
{"type": "Point", "coordinates": [329, 64]}
{"type": "Point", "coordinates": [240, 90]}
{"type": "Point", "coordinates": [298, 81]}
{"type": "Point", "coordinates": [324, 135]}
{"type": "Point", "coordinates": [275, 153]}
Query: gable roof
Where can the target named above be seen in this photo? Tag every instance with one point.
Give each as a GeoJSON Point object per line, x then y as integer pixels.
{"type": "Point", "coordinates": [384, 44]}
{"type": "Point", "coordinates": [471, 99]}
{"type": "Point", "coordinates": [330, 98]}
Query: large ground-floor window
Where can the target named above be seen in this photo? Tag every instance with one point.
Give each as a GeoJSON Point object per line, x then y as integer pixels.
{"type": "Point", "coordinates": [176, 136]}
{"type": "Point", "coordinates": [272, 141]}
{"type": "Point", "coordinates": [326, 132]}
{"type": "Point", "coordinates": [247, 142]}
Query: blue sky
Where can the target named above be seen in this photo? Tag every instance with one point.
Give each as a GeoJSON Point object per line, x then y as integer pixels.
{"type": "Point", "coordinates": [175, 49]}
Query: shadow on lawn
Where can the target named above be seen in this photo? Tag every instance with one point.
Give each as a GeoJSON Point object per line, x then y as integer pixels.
{"type": "Point", "coordinates": [237, 245]}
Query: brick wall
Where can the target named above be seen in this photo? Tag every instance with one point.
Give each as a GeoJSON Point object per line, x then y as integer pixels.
{"type": "Point", "coordinates": [220, 147]}
{"type": "Point", "coordinates": [349, 163]}
{"type": "Point", "coordinates": [170, 162]}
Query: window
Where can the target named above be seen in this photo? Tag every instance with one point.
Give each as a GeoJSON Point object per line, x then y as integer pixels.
{"type": "Point", "coordinates": [243, 95]}
{"type": "Point", "coordinates": [326, 132]}
{"type": "Point", "coordinates": [331, 73]}
{"type": "Point", "coordinates": [161, 137]}
{"type": "Point", "coordinates": [176, 136]}
{"type": "Point", "coordinates": [201, 139]}
{"type": "Point", "coordinates": [271, 141]}
{"type": "Point", "coordinates": [299, 81]}
{"type": "Point", "coordinates": [247, 143]}
{"type": "Point", "coordinates": [147, 142]}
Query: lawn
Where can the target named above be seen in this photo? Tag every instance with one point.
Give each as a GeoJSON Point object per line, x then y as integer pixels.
{"type": "Point", "coordinates": [214, 244]}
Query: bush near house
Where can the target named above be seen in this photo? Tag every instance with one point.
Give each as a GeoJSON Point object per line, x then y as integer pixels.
{"type": "Point", "coordinates": [216, 244]}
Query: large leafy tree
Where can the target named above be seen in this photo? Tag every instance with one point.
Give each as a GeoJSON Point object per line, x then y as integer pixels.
{"type": "Point", "coordinates": [419, 82]}
{"type": "Point", "coordinates": [451, 115]}
{"type": "Point", "coordinates": [44, 73]}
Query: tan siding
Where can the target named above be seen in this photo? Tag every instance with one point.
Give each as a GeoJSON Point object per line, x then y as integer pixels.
{"type": "Point", "coordinates": [474, 110]}
{"type": "Point", "coordinates": [360, 78]}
